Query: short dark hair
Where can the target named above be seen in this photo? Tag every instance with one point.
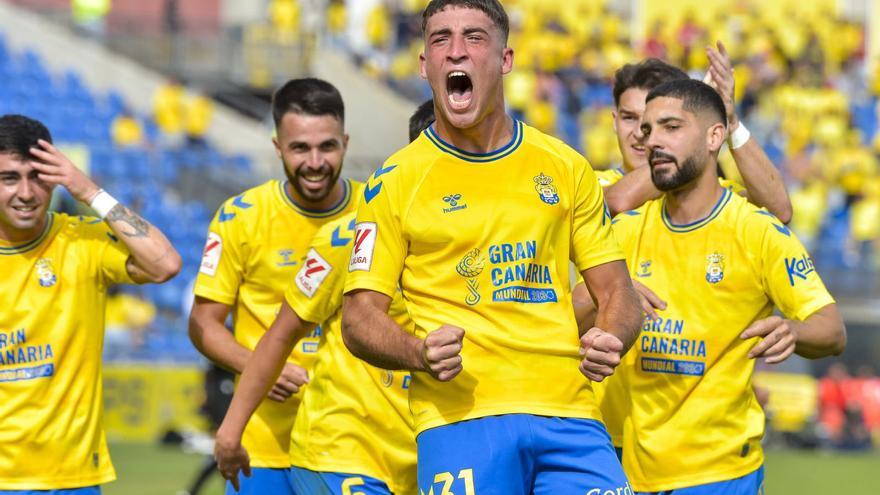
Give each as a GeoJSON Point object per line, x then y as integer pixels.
{"type": "Point", "coordinates": [421, 119]}
{"type": "Point", "coordinates": [18, 134]}
{"type": "Point", "coordinates": [491, 8]}
{"type": "Point", "coordinates": [647, 75]}
{"type": "Point", "coordinates": [696, 96]}
{"type": "Point", "coordinates": [307, 96]}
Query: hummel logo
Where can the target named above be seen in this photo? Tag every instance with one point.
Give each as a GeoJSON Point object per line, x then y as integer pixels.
{"type": "Point", "coordinates": [453, 200]}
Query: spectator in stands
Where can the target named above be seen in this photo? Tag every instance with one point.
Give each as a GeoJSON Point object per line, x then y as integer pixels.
{"type": "Point", "coordinates": [169, 107]}
{"type": "Point", "coordinates": [126, 131]}
{"type": "Point", "coordinates": [199, 114]}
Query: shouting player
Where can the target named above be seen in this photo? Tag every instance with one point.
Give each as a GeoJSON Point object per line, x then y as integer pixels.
{"type": "Point", "coordinates": [255, 245]}
{"type": "Point", "coordinates": [721, 264]}
{"type": "Point", "coordinates": [56, 272]}
{"type": "Point", "coordinates": [476, 221]}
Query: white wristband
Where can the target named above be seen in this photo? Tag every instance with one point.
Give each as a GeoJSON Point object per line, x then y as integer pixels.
{"type": "Point", "coordinates": [103, 203]}
{"type": "Point", "coordinates": [739, 137]}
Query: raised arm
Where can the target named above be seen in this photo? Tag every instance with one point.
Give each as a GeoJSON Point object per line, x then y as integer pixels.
{"type": "Point", "coordinates": [261, 372]}
{"type": "Point", "coordinates": [762, 180]}
{"type": "Point", "coordinates": [153, 258]}
{"type": "Point", "coordinates": [632, 191]}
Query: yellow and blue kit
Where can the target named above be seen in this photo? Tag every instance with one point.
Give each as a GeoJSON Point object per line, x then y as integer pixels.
{"type": "Point", "coordinates": [256, 244]}
{"type": "Point", "coordinates": [694, 419]}
{"type": "Point", "coordinates": [354, 428]}
{"type": "Point", "coordinates": [53, 295]}
{"type": "Point", "coordinates": [612, 393]}
{"type": "Point", "coordinates": [483, 242]}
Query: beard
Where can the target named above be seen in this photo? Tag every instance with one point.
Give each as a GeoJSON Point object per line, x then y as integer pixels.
{"type": "Point", "coordinates": [684, 174]}
{"type": "Point", "coordinates": [297, 176]}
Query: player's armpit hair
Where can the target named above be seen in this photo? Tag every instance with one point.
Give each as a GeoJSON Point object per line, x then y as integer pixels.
{"type": "Point", "coordinates": [140, 227]}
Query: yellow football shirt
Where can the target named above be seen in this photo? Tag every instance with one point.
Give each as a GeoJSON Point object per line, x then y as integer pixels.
{"type": "Point", "coordinates": [609, 176]}
{"type": "Point", "coordinates": [694, 418]}
{"type": "Point", "coordinates": [354, 417]}
{"type": "Point", "coordinates": [612, 393]}
{"type": "Point", "coordinates": [52, 297]}
{"type": "Point", "coordinates": [255, 245]}
{"type": "Point", "coordinates": [483, 241]}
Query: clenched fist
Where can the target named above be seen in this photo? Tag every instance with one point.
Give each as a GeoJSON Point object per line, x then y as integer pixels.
{"type": "Point", "coordinates": [441, 352]}
{"type": "Point", "coordinates": [601, 351]}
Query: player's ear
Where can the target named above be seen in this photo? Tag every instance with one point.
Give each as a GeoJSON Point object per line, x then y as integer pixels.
{"type": "Point", "coordinates": [277, 146]}
{"type": "Point", "coordinates": [507, 60]}
{"type": "Point", "coordinates": [614, 120]}
{"type": "Point", "coordinates": [344, 142]}
{"type": "Point", "coordinates": [715, 136]}
{"type": "Point", "coordinates": [422, 70]}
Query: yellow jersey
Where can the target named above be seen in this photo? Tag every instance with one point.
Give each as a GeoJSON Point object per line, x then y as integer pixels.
{"type": "Point", "coordinates": [612, 393]}
{"type": "Point", "coordinates": [354, 417]}
{"type": "Point", "coordinates": [609, 176]}
{"type": "Point", "coordinates": [694, 418]}
{"type": "Point", "coordinates": [52, 303]}
{"type": "Point", "coordinates": [255, 245]}
{"type": "Point", "coordinates": [483, 242]}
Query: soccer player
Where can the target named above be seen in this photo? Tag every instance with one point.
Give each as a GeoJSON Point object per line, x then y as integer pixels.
{"type": "Point", "coordinates": [56, 272]}
{"type": "Point", "coordinates": [476, 222]}
{"type": "Point", "coordinates": [721, 264]}
{"type": "Point", "coordinates": [333, 448]}
{"type": "Point", "coordinates": [353, 430]}
{"type": "Point", "coordinates": [256, 243]}
{"type": "Point", "coordinates": [629, 187]}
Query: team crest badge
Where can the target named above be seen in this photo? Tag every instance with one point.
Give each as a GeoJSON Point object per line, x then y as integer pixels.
{"type": "Point", "coordinates": [470, 267]}
{"type": "Point", "coordinates": [714, 268]}
{"type": "Point", "coordinates": [46, 273]}
{"type": "Point", "coordinates": [546, 189]}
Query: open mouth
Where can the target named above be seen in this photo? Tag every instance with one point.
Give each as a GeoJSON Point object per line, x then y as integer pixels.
{"type": "Point", "coordinates": [460, 89]}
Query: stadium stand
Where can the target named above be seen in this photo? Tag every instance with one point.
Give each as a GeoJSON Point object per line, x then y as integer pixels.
{"type": "Point", "coordinates": [150, 176]}
{"type": "Point", "coordinates": [801, 88]}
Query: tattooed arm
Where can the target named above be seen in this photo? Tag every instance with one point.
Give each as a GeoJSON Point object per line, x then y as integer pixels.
{"type": "Point", "coordinates": [153, 258]}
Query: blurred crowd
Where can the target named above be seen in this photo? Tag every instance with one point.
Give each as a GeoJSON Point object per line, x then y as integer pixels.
{"type": "Point", "coordinates": [801, 82]}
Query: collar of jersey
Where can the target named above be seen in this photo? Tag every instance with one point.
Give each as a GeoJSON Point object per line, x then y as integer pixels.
{"type": "Point", "coordinates": [467, 156]}
{"type": "Point", "coordinates": [31, 244]}
{"type": "Point", "coordinates": [307, 212]}
{"type": "Point", "coordinates": [689, 227]}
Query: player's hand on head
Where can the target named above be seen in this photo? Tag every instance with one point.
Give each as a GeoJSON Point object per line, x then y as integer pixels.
{"type": "Point", "coordinates": [231, 458]}
{"type": "Point", "coordinates": [441, 352]}
{"type": "Point", "coordinates": [292, 378]}
{"type": "Point", "coordinates": [776, 339]}
{"type": "Point", "coordinates": [720, 77]}
{"type": "Point", "coordinates": [649, 300]}
{"type": "Point", "coordinates": [56, 169]}
{"type": "Point", "coordinates": [601, 353]}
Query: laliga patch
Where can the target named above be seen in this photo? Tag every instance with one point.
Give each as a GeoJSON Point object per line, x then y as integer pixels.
{"type": "Point", "coordinates": [314, 270]}
{"type": "Point", "coordinates": [364, 244]}
{"type": "Point", "coordinates": [211, 255]}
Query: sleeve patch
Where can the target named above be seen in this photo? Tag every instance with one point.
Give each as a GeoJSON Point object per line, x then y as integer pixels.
{"type": "Point", "coordinates": [313, 272]}
{"type": "Point", "coordinates": [364, 245]}
{"type": "Point", "coordinates": [211, 255]}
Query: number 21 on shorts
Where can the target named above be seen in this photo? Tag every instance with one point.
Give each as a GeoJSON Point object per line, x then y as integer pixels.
{"type": "Point", "coordinates": [466, 475]}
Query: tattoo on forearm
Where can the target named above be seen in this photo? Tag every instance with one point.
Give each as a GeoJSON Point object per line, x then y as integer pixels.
{"type": "Point", "coordinates": [139, 226]}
